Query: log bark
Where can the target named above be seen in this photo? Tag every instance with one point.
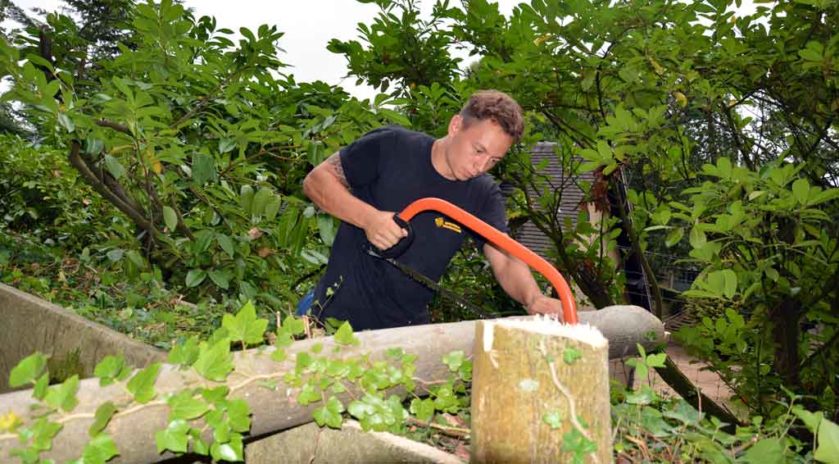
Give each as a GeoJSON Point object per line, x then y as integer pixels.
{"type": "Point", "coordinates": [278, 410]}
{"type": "Point", "coordinates": [534, 383]}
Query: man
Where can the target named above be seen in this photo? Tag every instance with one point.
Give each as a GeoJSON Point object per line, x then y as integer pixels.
{"type": "Point", "coordinates": [378, 175]}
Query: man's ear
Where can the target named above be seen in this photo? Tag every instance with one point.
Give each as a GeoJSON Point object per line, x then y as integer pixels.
{"type": "Point", "coordinates": [455, 124]}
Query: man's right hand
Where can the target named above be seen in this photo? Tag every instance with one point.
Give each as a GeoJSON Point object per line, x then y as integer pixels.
{"type": "Point", "coordinates": [382, 231]}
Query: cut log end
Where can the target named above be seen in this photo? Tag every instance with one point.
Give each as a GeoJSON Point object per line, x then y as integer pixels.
{"type": "Point", "coordinates": [546, 325]}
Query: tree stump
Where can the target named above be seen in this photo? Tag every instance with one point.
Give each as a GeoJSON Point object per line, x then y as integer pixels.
{"type": "Point", "coordinates": [540, 392]}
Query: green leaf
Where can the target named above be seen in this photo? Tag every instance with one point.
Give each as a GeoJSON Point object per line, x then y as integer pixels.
{"type": "Point", "coordinates": [308, 395]}
{"type": "Point", "coordinates": [239, 415]}
{"type": "Point", "coordinates": [174, 438]}
{"type": "Point", "coordinates": [214, 361]}
{"type": "Point", "coordinates": [186, 353]}
{"type": "Point", "coordinates": [273, 207]}
{"type": "Point", "coordinates": [801, 189]}
{"type": "Point", "coordinates": [39, 391]}
{"type": "Point", "coordinates": [245, 326]}
{"type": "Point", "coordinates": [730, 279]}
{"type": "Point", "coordinates": [203, 168]}
{"type": "Point", "coordinates": [279, 355]}
{"type": "Point", "coordinates": [571, 355]}
{"type": "Point", "coordinates": [656, 360]}
{"type": "Point", "coordinates": [553, 419]}
{"type": "Point", "coordinates": [142, 384]}
{"type": "Point", "coordinates": [103, 415]}
{"type": "Point", "coordinates": [226, 144]}
{"type": "Point", "coordinates": [170, 218]}
{"type": "Point", "coordinates": [195, 277]}
{"type": "Point", "coordinates": [99, 450]}
{"type": "Point", "coordinates": [765, 451]}
{"type": "Point", "coordinates": [219, 278]}
{"type": "Point", "coordinates": [329, 414]}
{"type": "Point", "coordinates": [63, 395]}
{"type": "Point", "coordinates": [226, 244]}
{"type": "Point", "coordinates": [344, 335]}
{"type": "Point", "coordinates": [27, 370]}
{"type": "Point", "coordinates": [454, 360]}
{"type": "Point", "coordinates": [827, 449]}
{"type": "Point", "coordinates": [811, 420]}
{"type": "Point", "coordinates": [294, 326]}
{"type": "Point", "coordinates": [674, 237]}
{"type": "Point", "coordinates": [246, 198]}
{"type": "Point", "coordinates": [114, 167]}
{"type": "Point", "coordinates": [260, 201]}
{"type": "Point", "coordinates": [231, 451]}
{"type": "Point", "coordinates": [422, 408]}
{"type": "Point", "coordinates": [185, 406]}
{"type": "Point", "coordinates": [697, 237]}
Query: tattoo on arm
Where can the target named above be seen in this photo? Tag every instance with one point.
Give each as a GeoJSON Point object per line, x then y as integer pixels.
{"type": "Point", "coordinates": [334, 160]}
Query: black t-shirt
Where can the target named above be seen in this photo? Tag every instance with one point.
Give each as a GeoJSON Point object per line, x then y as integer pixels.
{"type": "Point", "coordinates": [389, 168]}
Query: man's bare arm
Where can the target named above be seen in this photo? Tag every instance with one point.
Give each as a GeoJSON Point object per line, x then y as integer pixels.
{"type": "Point", "coordinates": [326, 185]}
{"type": "Point", "coordinates": [517, 280]}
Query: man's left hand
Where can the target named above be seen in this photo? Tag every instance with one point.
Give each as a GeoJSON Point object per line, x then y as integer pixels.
{"type": "Point", "coordinates": [546, 305]}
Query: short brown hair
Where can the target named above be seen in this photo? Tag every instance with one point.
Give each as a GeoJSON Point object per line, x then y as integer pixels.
{"type": "Point", "coordinates": [496, 106]}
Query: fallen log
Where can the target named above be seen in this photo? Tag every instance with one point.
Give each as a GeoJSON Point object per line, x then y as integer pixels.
{"type": "Point", "coordinates": [273, 410]}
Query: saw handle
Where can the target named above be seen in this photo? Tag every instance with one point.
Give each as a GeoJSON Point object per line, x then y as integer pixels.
{"type": "Point", "coordinates": [500, 240]}
{"type": "Point", "coordinates": [402, 245]}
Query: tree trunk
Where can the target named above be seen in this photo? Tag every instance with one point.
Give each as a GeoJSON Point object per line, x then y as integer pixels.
{"type": "Point", "coordinates": [537, 382]}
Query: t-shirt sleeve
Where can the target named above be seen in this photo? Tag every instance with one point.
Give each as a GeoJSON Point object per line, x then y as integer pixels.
{"type": "Point", "coordinates": [493, 212]}
{"type": "Point", "coordinates": [362, 159]}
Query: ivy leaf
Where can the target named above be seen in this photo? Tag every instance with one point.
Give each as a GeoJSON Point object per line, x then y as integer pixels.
{"type": "Point", "coordinates": [63, 395]}
{"type": "Point", "coordinates": [111, 369]}
{"type": "Point", "coordinates": [766, 451]}
{"type": "Point", "coordinates": [245, 326]}
{"type": "Point", "coordinates": [239, 415]}
{"type": "Point", "coordinates": [308, 395]}
{"type": "Point", "coordinates": [454, 360]}
{"type": "Point", "coordinates": [186, 353]}
{"type": "Point", "coordinates": [39, 391]}
{"type": "Point", "coordinates": [170, 218]}
{"type": "Point", "coordinates": [213, 395]}
{"type": "Point", "coordinates": [43, 432]}
{"type": "Point", "coordinates": [185, 406]}
{"type": "Point", "coordinates": [828, 443]}
{"type": "Point", "coordinates": [279, 355]}
{"type": "Point", "coordinates": [231, 451]}
{"type": "Point", "coordinates": [553, 419]}
{"type": "Point", "coordinates": [423, 409]}
{"type": "Point", "coordinates": [142, 384]}
{"type": "Point", "coordinates": [99, 450]}
{"type": "Point", "coordinates": [103, 415]}
{"type": "Point", "coordinates": [656, 360]}
{"type": "Point", "coordinates": [294, 326]}
{"type": "Point", "coordinates": [571, 355]}
{"type": "Point", "coordinates": [27, 370]}
{"type": "Point", "coordinates": [215, 362]}
{"type": "Point", "coordinates": [329, 414]}
{"type": "Point", "coordinates": [173, 438]}
{"type": "Point", "coordinates": [344, 335]}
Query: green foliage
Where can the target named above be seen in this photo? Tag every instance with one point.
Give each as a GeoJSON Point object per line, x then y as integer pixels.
{"type": "Point", "coordinates": [203, 153]}
{"type": "Point", "coordinates": [767, 248]}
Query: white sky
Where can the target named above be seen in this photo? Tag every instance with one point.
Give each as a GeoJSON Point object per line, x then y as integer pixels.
{"type": "Point", "coordinates": [308, 26]}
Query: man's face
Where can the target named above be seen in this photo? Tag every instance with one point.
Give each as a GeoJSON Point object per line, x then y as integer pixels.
{"type": "Point", "coordinates": [474, 149]}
